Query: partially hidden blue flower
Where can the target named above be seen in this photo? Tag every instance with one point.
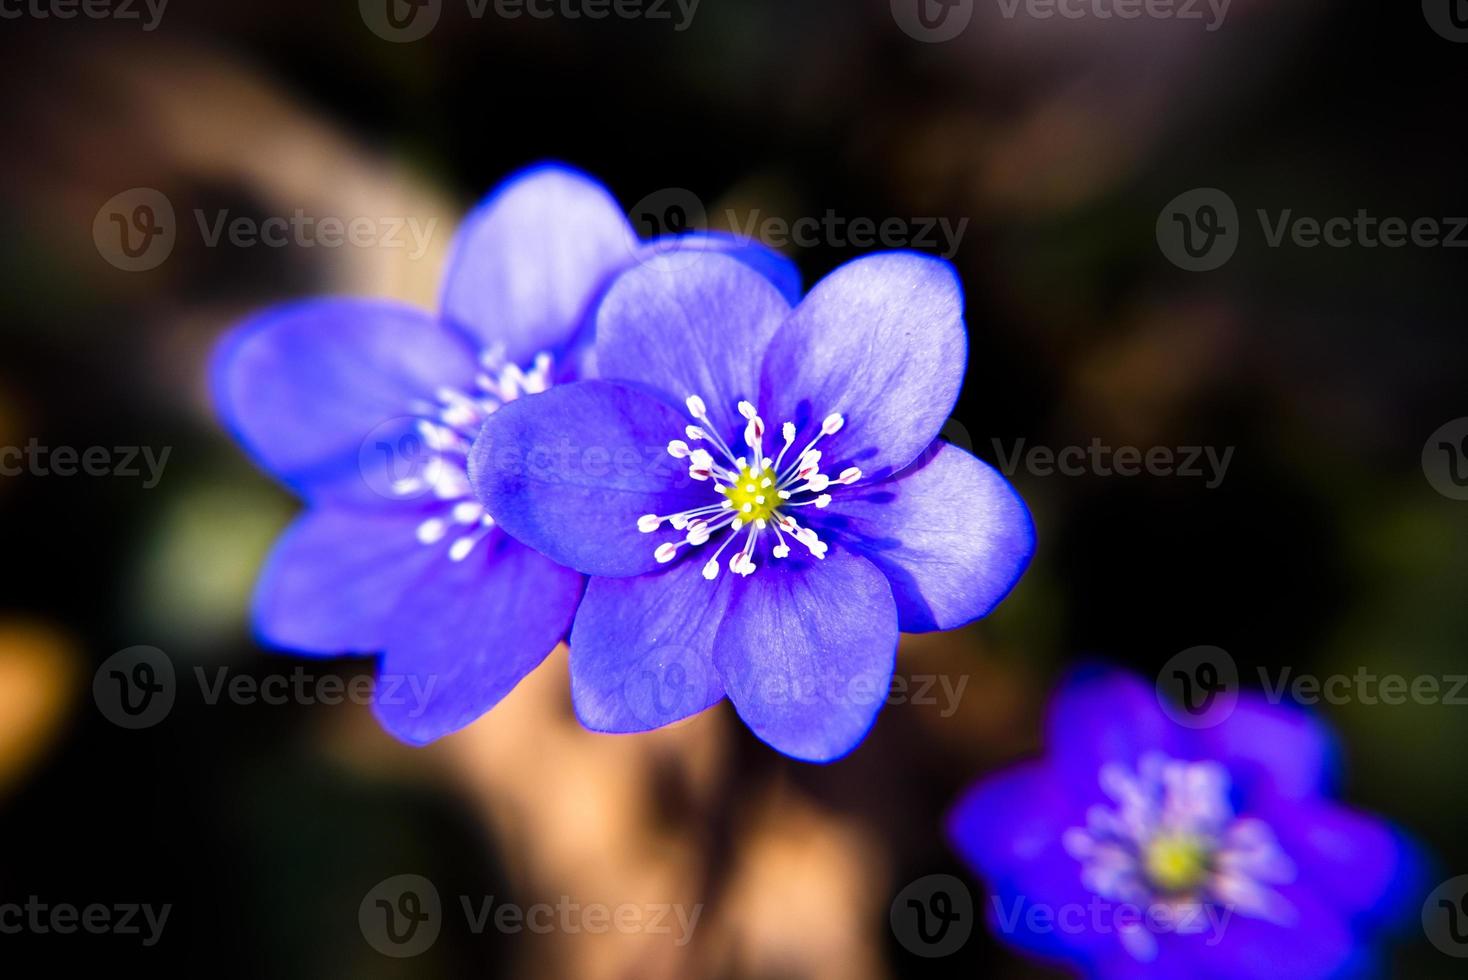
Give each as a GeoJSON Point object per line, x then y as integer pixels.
{"type": "Point", "coordinates": [367, 409]}
{"type": "Point", "coordinates": [1142, 848]}
{"type": "Point", "coordinates": [759, 494]}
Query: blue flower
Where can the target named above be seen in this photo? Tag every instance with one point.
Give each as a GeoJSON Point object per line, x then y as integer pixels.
{"type": "Point", "coordinates": [1141, 848]}
{"type": "Point", "coordinates": [367, 410]}
{"type": "Point", "coordinates": [759, 496]}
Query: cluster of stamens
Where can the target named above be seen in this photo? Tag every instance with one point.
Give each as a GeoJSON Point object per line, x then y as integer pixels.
{"type": "Point", "coordinates": [757, 492]}
{"type": "Point", "coordinates": [1173, 838]}
{"type": "Point", "coordinates": [447, 428]}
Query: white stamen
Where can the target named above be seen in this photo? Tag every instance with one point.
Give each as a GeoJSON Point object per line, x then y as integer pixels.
{"type": "Point", "coordinates": [696, 407]}
{"type": "Point", "coordinates": [649, 523]}
{"type": "Point", "coordinates": [665, 553]}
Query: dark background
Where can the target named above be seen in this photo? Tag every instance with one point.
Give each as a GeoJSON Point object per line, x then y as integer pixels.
{"type": "Point", "coordinates": [1324, 549]}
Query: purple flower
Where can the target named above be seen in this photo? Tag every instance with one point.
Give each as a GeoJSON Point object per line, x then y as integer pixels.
{"type": "Point", "coordinates": [1140, 847]}
{"type": "Point", "coordinates": [759, 496]}
{"type": "Point", "coordinates": [367, 410]}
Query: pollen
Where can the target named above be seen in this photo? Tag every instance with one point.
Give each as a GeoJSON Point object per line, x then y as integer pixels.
{"type": "Point", "coordinates": [751, 496]}
{"type": "Point", "coordinates": [1176, 862]}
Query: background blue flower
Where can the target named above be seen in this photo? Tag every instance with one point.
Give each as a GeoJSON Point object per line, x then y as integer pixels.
{"type": "Point", "coordinates": [798, 625]}
{"type": "Point", "coordinates": [1142, 848]}
{"type": "Point", "coordinates": [367, 410]}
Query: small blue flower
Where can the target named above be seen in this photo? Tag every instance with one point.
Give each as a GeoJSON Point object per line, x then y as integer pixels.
{"type": "Point", "coordinates": [759, 495]}
{"type": "Point", "coordinates": [367, 410]}
{"type": "Point", "coordinates": [1140, 848]}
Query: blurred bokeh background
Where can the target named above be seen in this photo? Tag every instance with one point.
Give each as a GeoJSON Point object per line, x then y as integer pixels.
{"type": "Point", "coordinates": [1324, 549]}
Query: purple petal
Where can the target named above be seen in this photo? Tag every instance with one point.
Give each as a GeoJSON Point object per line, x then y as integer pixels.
{"type": "Point", "coordinates": [303, 386]}
{"type": "Point", "coordinates": [1284, 746]}
{"type": "Point", "coordinates": [1317, 944]}
{"type": "Point", "coordinates": [881, 341]}
{"type": "Point", "coordinates": [1103, 715]}
{"type": "Point", "coordinates": [642, 649]}
{"type": "Point", "coordinates": [806, 652]}
{"type": "Point", "coordinates": [466, 634]}
{"type": "Point", "coordinates": [333, 580]}
{"type": "Point", "coordinates": [1355, 862]}
{"type": "Point", "coordinates": [568, 472]}
{"type": "Point", "coordinates": [779, 270]}
{"type": "Point", "coordinates": [699, 327]}
{"type": "Point", "coordinates": [950, 534]}
{"type": "Point", "coordinates": [528, 261]}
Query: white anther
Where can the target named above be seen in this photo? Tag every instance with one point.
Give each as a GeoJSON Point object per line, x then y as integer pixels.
{"type": "Point", "coordinates": [823, 501]}
{"type": "Point", "coordinates": [649, 523]}
{"type": "Point", "coordinates": [818, 482]}
{"type": "Point", "coordinates": [698, 533]}
{"type": "Point", "coordinates": [711, 570]}
{"type": "Point", "coordinates": [460, 549]}
{"type": "Point", "coordinates": [746, 508]}
{"type": "Point", "coordinates": [747, 410]}
{"type": "Point", "coordinates": [780, 551]}
{"type": "Point", "coordinates": [849, 475]}
{"type": "Point", "coordinates": [467, 512]}
{"type": "Point", "coordinates": [665, 553]}
{"type": "Point", "coordinates": [432, 530]}
{"type": "Point", "coordinates": [832, 425]}
{"type": "Point", "coordinates": [694, 433]}
{"type": "Point", "coordinates": [696, 407]}
{"type": "Point", "coordinates": [678, 449]}
{"type": "Point", "coordinates": [788, 430]}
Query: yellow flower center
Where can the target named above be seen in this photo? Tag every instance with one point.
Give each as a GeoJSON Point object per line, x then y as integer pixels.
{"type": "Point", "coordinates": [754, 497]}
{"type": "Point", "coordinates": [1176, 863]}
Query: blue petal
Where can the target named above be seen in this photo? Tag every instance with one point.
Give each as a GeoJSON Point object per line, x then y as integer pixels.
{"type": "Point", "coordinates": [950, 534]}
{"type": "Point", "coordinates": [568, 472]}
{"type": "Point", "coordinates": [1357, 863]}
{"type": "Point", "coordinates": [782, 273]}
{"type": "Point", "coordinates": [1285, 747]}
{"type": "Point", "coordinates": [1102, 715]}
{"type": "Point", "coordinates": [642, 649]}
{"type": "Point", "coordinates": [1317, 944]}
{"type": "Point", "coordinates": [333, 580]}
{"type": "Point", "coordinates": [681, 326]}
{"type": "Point", "coordinates": [880, 340]}
{"type": "Point", "coordinates": [1009, 828]}
{"type": "Point", "coordinates": [528, 261]}
{"type": "Point", "coordinates": [303, 386]}
{"type": "Point", "coordinates": [465, 635]}
{"type": "Point", "coordinates": [806, 652]}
